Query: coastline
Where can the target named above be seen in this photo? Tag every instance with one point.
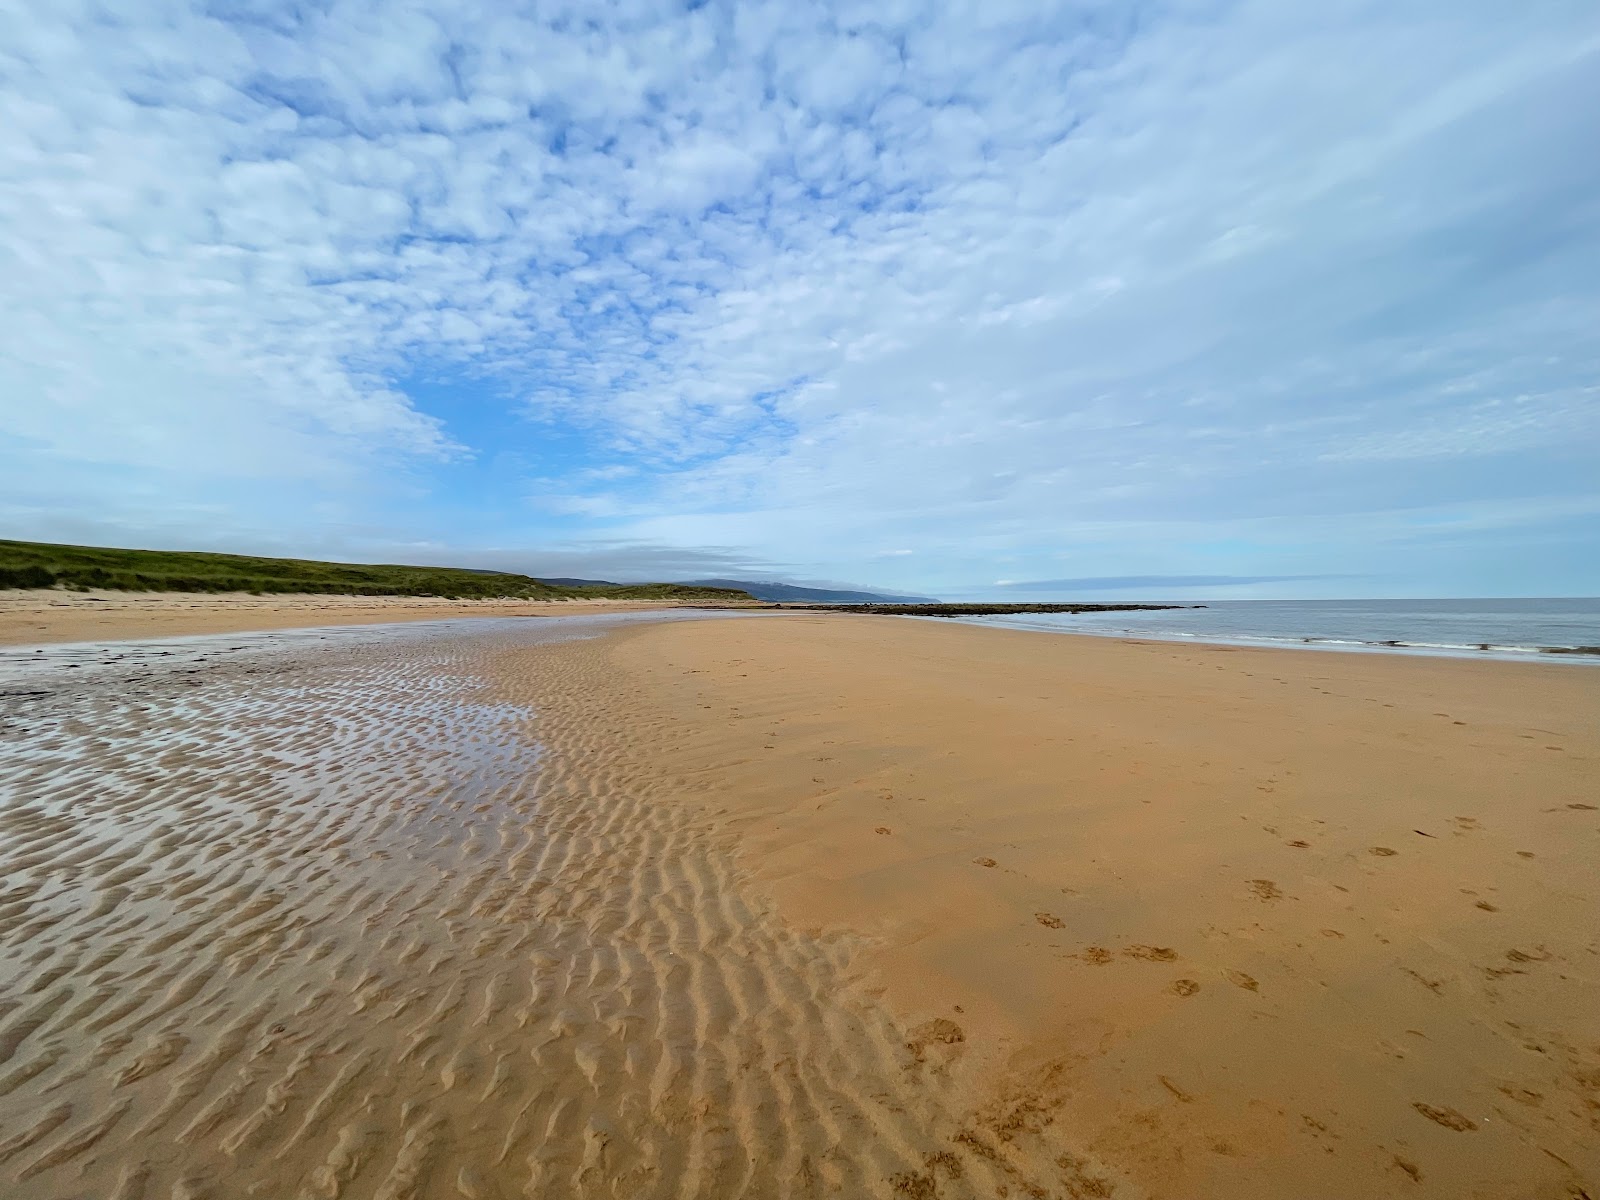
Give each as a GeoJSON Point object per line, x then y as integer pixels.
{"type": "Point", "coordinates": [1479, 653]}
{"type": "Point", "coordinates": [1553, 629]}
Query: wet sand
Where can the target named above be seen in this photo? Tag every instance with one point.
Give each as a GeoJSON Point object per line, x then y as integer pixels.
{"type": "Point", "coordinates": [793, 905]}
{"type": "Point", "coordinates": [42, 615]}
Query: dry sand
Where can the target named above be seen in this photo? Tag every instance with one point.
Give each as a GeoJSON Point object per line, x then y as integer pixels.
{"type": "Point", "coordinates": [798, 905]}
{"type": "Point", "coordinates": [42, 615]}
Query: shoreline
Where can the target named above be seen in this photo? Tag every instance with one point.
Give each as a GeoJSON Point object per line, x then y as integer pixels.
{"type": "Point", "coordinates": [53, 617]}
{"type": "Point", "coordinates": [1484, 652]}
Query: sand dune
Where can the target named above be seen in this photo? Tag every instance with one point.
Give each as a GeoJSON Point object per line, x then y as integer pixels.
{"type": "Point", "coordinates": [792, 906]}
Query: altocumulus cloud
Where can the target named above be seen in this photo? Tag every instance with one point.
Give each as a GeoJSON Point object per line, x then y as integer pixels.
{"type": "Point", "coordinates": [1215, 290]}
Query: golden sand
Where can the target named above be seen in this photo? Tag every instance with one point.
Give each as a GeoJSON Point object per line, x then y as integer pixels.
{"type": "Point", "coordinates": [792, 906]}
{"type": "Point", "coordinates": [34, 616]}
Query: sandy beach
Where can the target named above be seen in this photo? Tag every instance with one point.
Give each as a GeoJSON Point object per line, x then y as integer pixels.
{"type": "Point", "coordinates": [34, 616]}
{"type": "Point", "coordinates": [791, 905]}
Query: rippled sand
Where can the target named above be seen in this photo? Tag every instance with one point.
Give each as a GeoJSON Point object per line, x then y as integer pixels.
{"type": "Point", "coordinates": [319, 916]}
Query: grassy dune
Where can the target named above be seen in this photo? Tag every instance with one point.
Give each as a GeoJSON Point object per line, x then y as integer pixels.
{"type": "Point", "coordinates": [40, 564]}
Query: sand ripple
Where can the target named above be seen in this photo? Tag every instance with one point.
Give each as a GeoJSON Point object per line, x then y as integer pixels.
{"type": "Point", "coordinates": [328, 921]}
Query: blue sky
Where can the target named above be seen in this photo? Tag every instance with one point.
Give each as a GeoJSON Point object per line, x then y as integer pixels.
{"type": "Point", "coordinates": [1193, 298]}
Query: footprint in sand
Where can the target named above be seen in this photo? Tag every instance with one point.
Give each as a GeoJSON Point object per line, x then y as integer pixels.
{"type": "Point", "coordinates": [1096, 956]}
{"type": "Point", "coordinates": [883, 829]}
{"type": "Point", "coordinates": [1150, 953]}
{"type": "Point", "coordinates": [1522, 956]}
{"type": "Point", "coordinates": [1382, 851]}
{"type": "Point", "coordinates": [1049, 920]}
{"type": "Point", "coordinates": [1265, 889]}
{"type": "Point", "coordinates": [1240, 979]}
{"type": "Point", "coordinates": [941, 1031]}
{"type": "Point", "coordinates": [1448, 1117]}
{"type": "Point", "coordinates": [986, 861]}
{"type": "Point", "coordinates": [1185, 987]}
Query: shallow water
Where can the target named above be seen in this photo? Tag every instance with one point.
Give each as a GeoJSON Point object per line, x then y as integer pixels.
{"type": "Point", "coordinates": [1518, 628]}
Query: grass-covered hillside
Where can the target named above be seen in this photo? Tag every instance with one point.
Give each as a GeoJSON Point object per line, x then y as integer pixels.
{"type": "Point", "coordinates": [38, 564]}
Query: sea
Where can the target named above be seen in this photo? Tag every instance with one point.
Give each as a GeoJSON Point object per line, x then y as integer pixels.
{"type": "Point", "coordinates": [1519, 628]}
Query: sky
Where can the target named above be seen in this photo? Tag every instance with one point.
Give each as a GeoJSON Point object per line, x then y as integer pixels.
{"type": "Point", "coordinates": [976, 300]}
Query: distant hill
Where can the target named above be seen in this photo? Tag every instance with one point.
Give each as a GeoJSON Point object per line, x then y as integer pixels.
{"type": "Point", "coordinates": [788, 592]}
{"type": "Point", "coordinates": [43, 565]}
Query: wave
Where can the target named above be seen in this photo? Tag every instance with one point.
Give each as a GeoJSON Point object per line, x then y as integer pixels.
{"type": "Point", "coordinates": [1571, 652]}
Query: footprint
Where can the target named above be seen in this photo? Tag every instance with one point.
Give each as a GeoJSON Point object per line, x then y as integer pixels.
{"type": "Point", "coordinates": [1049, 920]}
{"type": "Point", "coordinates": [1298, 844]}
{"type": "Point", "coordinates": [1522, 956]}
{"type": "Point", "coordinates": [986, 861]}
{"type": "Point", "coordinates": [883, 829]}
{"type": "Point", "coordinates": [1240, 979]}
{"type": "Point", "coordinates": [1186, 987]}
{"type": "Point", "coordinates": [1150, 953]}
{"type": "Point", "coordinates": [1448, 1117]}
{"type": "Point", "coordinates": [941, 1031]}
{"type": "Point", "coordinates": [1096, 956]}
{"type": "Point", "coordinates": [1265, 889]}
{"type": "Point", "coordinates": [1382, 851]}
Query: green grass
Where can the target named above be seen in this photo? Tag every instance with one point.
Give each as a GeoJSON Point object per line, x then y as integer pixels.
{"type": "Point", "coordinates": [38, 565]}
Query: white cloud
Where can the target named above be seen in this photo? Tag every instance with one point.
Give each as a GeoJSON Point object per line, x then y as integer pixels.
{"type": "Point", "coordinates": [974, 281]}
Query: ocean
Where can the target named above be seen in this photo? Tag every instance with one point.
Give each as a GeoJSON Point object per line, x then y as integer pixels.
{"type": "Point", "coordinates": [1474, 628]}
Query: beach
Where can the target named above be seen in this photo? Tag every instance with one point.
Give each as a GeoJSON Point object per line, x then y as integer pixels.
{"type": "Point", "coordinates": [789, 904]}
{"type": "Point", "coordinates": [29, 616]}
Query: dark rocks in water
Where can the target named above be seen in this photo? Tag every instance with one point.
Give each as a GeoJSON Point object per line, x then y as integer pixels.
{"type": "Point", "coordinates": [1569, 649]}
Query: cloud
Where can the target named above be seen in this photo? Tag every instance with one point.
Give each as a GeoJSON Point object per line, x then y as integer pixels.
{"type": "Point", "coordinates": [1009, 287]}
{"type": "Point", "coordinates": [1139, 583]}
